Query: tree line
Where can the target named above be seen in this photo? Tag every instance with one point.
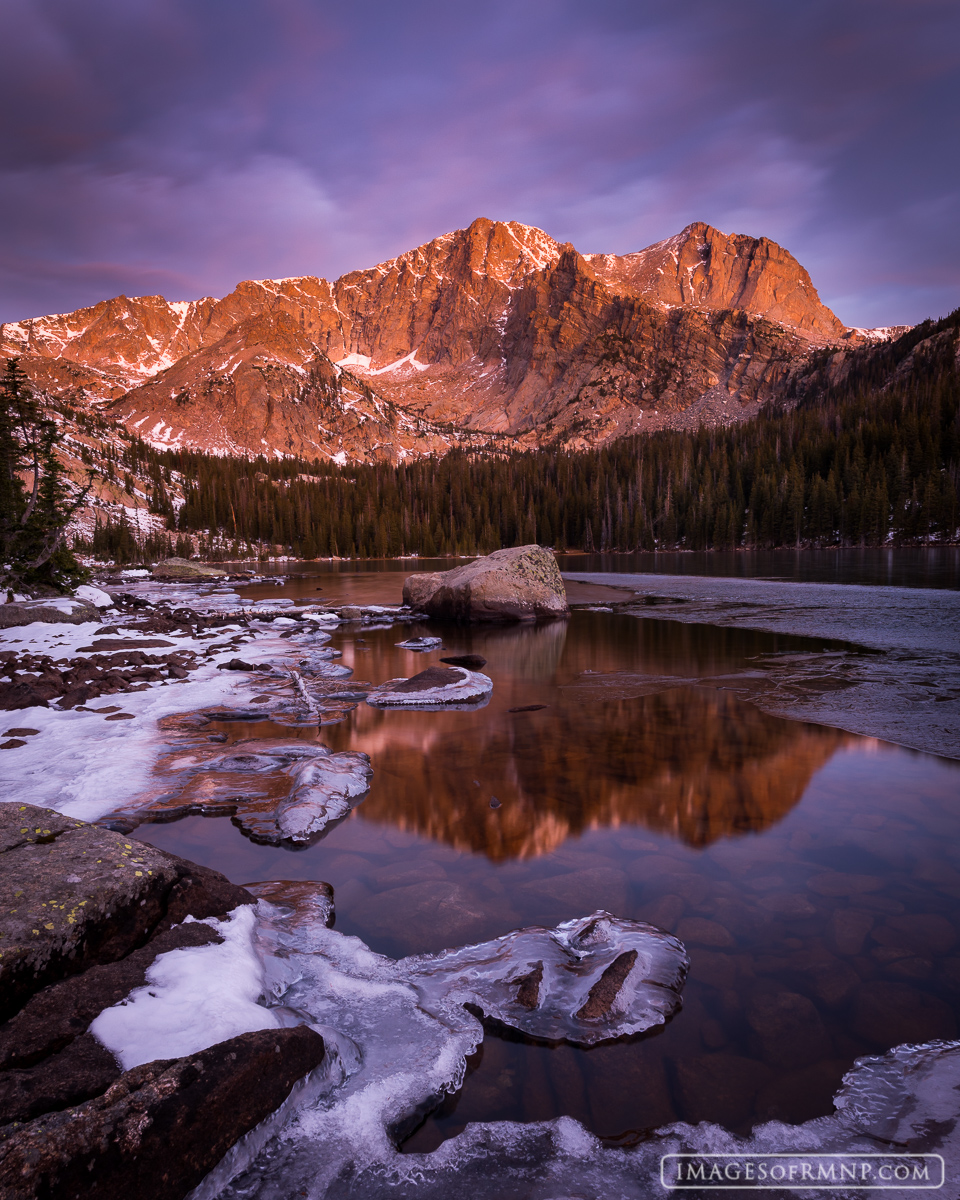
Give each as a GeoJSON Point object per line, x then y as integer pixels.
{"type": "Point", "coordinates": [871, 460]}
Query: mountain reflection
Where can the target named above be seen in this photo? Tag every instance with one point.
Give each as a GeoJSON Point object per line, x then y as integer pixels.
{"type": "Point", "coordinates": [690, 762]}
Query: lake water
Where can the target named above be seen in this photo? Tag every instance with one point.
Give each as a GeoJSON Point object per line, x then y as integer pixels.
{"type": "Point", "coordinates": [937, 567]}
{"type": "Point", "coordinates": [813, 874]}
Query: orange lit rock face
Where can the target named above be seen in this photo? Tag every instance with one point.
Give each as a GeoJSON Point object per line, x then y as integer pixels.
{"type": "Point", "coordinates": [495, 331]}
{"type": "Point", "coordinates": [705, 268]}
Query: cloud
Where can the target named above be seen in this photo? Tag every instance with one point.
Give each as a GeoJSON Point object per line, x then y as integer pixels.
{"type": "Point", "coordinates": [187, 146]}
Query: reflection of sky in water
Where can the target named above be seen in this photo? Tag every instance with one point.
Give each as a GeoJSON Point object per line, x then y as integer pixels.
{"type": "Point", "coordinates": [814, 875]}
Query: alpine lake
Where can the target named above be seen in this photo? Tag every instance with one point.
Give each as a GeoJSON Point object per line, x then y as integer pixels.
{"type": "Point", "coordinates": [813, 874]}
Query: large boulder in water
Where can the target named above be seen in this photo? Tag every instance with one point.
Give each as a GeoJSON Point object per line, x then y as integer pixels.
{"type": "Point", "coordinates": [519, 584]}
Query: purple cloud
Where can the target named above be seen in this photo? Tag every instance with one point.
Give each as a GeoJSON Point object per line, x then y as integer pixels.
{"type": "Point", "coordinates": [162, 145]}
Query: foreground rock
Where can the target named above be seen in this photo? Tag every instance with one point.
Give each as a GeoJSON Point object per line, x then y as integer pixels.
{"type": "Point", "coordinates": [520, 584]}
{"type": "Point", "coordinates": [436, 687]}
{"type": "Point", "coordinates": [73, 895]}
{"type": "Point", "coordinates": [182, 568]}
{"type": "Point", "coordinates": [88, 921]}
{"type": "Point", "coordinates": [49, 1060]}
{"type": "Point", "coordinates": [161, 1127]}
{"type": "Point", "coordinates": [61, 610]}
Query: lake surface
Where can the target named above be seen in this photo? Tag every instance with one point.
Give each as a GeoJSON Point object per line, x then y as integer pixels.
{"type": "Point", "coordinates": [936, 567]}
{"type": "Point", "coordinates": [813, 874]}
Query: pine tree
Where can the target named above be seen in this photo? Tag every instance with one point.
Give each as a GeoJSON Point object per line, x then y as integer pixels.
{"type": "Point", "coordinates": [33, 515]}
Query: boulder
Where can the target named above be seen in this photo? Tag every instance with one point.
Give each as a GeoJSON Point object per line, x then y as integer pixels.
{"type": "Point", "coordinates": [84, 914]}
{"type": "Point", "coordinates": [161, 1127]}
{"type": "Point", "coordinates": [73, 894]}
{"type": "Point", "coordinates": [518, 584]}
{"type": "Point", "coordinates": [182, 568]}
{"type": "Point", "coordinates": [48, 1058]}
{"type": "Point", "coordinates": [62, 610]}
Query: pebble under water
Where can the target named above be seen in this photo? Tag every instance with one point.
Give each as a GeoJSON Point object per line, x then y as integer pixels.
{"type": "Point", "coordinates": [813, 875]}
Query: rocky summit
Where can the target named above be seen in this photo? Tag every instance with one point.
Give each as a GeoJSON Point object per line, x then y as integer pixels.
{"type": "Point", "coordinates": [492, 336]}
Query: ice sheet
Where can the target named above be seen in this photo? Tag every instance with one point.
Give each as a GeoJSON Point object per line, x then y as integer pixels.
{"type": "Point", "coordinates": [410, 1031]}
{"type": "Point", "coordinates": [586, 981]}
{"type": "Point", "coordinates": [86, 766]}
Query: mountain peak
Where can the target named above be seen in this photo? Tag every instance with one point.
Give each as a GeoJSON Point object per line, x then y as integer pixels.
{"type": "Point", "coordinates": [492, 331]}
{"type": "Point", "coordinates": [706, 268]}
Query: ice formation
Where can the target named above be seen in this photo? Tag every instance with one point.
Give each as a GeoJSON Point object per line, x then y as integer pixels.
{"type": "Point", "coordinates": [276, 790]}
{"type": "Point", "coordinates": [325, 789]}
{"type": "Point", "coordinates": [436, 687]}
{"type": "Point", "coordinates": [588, 980]}
{"type": "Point", "coordinates": [420, 643]}
{"type": "Point", "coordinates": [398, 1033]}
{"type": "Point", "coordinates": [902, 1096]}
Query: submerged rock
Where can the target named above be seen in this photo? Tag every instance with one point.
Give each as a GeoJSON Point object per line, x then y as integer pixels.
{"type": "Point", "coordinates": [474, 661]}
{"type": "Point", "coordinates": [434, 687]}
{"type": "Point", "coordinates": [522, 583]}
{"type": "Point", "coordinates": [308, 900]}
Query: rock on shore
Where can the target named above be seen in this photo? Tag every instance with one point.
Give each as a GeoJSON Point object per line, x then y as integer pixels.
{"type": "Point", "coordinates": [61, 610]}
{"type": "Point", "coordinates": [518, 584]}
{"type": "Point", "coordinates": [160, 1128]}
{"type": "Point", "coordinates": [183, 568]}
{"type": "Point", "coordinates": [84, 914]}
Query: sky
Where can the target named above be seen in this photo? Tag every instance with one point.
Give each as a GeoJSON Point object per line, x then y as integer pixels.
{"type": "Point", "coordinates": [180, 146]}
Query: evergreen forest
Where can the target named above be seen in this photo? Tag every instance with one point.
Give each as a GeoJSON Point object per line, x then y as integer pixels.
{"type": "Point", "coordinates": [873, 459]}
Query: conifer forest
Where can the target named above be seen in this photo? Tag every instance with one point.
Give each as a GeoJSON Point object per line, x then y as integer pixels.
{"type": "Point", "coordinates": [872, 460]}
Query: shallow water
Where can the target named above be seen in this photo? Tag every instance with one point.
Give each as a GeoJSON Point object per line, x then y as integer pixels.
{"type": "Point", "coordinates": [814, 875]}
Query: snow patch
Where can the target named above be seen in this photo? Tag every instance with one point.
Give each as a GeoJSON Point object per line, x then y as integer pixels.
{"type": "Point", "coordinates": [407, 360]}
{"type": "Point", "coordinates": [94, 595]}
{"type": "Point", "coordinates": [193, 998]}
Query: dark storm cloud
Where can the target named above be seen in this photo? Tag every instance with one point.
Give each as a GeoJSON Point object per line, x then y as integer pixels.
{"type": "Point", "coordinates": [181, 145]}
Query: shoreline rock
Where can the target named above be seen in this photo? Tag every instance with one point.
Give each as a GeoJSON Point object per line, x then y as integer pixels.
{"type": "Point", "coordinates": [182, 568]}
{"type": "Point", "coordinates": [73, 895]}
{"type": "Point", "coordinates": [518, 584]}
{"type": "Point", "coordinates": [160, 1128]}
{"type": "Point", "coordinates": [84, 914]}
{"type": "Point", "coordinates": [65, 610]}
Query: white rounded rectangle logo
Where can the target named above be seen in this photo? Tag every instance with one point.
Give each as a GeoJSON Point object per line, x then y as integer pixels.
{"type": "Point", "coordinates": [799, 1171]}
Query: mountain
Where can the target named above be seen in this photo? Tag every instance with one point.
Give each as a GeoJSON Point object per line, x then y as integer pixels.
{"type": "Point", "coordinates": [491, 337]}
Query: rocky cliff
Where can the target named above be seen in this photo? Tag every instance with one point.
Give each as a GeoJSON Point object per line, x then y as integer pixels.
{"type": "Point", "coordinates": [490, 336]}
